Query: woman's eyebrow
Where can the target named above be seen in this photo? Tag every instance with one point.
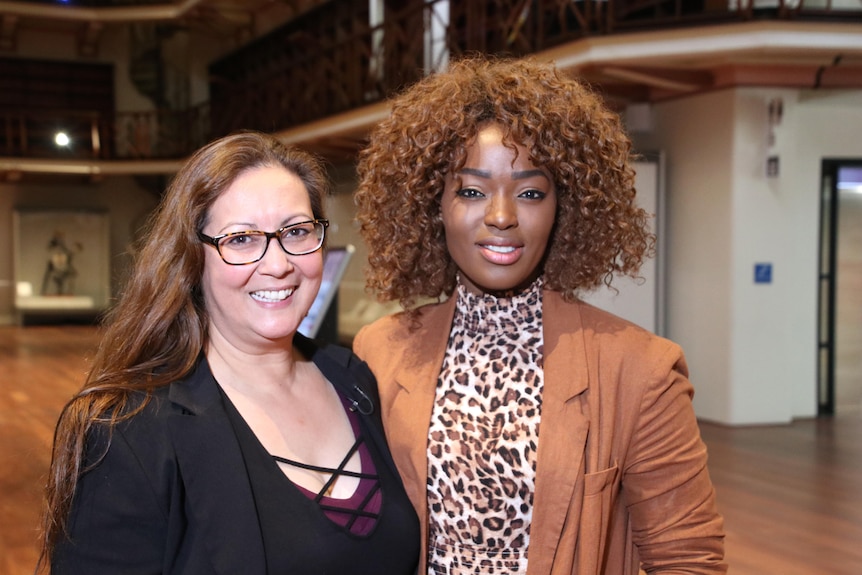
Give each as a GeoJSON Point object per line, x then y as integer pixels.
{"type": "Point", "coordinates": [475, 172]}
{"type": "Point", "coordinates": [528, 174]}
{"type": "Point", "coordinates": [523, 174]}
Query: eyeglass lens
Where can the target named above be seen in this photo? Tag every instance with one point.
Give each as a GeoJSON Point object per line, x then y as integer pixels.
{"type": "Point", "coordinates": [247, 247]}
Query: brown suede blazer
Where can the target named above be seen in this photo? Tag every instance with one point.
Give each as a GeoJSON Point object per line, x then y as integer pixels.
{"type": "Point", "coordinates": [622, 481]}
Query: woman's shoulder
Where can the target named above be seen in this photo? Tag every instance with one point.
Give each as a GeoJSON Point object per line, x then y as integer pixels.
{"type": "Point", "coordinates": [145, 414]}
{"type": "Point", "coordinates": [382, 326]}
{"type": "Point", "coordinates": [599, 318]}
{"type": "Point", "coordinates": [136, 424]}
{"type": "Point", "coordinates": [616, 351]}
{"type": "Point", "coordinates": [325, 355]}
{"type": "Point", "coordinates": [147, 410]}
{"type": "Point", "coordinates": [404, 324]}
{"type": "Point", "coordinates": [611, 331]}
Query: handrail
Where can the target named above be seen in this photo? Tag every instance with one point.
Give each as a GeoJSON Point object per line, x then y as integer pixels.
{"type": "Point", "coordinates": [331, 61]}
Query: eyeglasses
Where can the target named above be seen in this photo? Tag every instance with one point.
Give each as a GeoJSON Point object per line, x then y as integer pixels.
{"type": "Point", "coordinates": [247, 247]}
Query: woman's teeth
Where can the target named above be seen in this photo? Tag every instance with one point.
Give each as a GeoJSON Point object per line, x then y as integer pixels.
{"type": "Point", "coordinates": [501, 249]}
{"type": "Point", "coordinates": [271, 296]}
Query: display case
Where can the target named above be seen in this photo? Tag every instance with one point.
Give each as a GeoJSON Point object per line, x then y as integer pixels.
{"type": "Point", "coordinates": [61, 265]}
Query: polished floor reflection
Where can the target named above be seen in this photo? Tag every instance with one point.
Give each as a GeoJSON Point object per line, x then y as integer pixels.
{"type": "Point", "coordinates": [40, 367]}
{"type": "Point", "coordinates": [790, 494]}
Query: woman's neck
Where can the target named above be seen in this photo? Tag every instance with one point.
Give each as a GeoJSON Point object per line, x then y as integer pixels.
{"type": "Point", "coordinates": [264, 369]}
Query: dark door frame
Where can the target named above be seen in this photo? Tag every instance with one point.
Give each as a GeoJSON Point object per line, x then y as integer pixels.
{"type": "Point", "coordinates": [827, 279]}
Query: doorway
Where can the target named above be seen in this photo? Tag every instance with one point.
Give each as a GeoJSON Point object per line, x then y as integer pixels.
{"type": "Point", "coordinates": [839, 385]}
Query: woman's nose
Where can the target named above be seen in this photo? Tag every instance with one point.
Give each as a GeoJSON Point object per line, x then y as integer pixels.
{"type": "Point", "coordinates": [501, 212]}
{"type": "Point", "coordinates": [275, 259]}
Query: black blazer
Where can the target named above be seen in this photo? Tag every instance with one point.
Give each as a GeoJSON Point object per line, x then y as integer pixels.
{"type": "Point", "coordinates": [171, 495]}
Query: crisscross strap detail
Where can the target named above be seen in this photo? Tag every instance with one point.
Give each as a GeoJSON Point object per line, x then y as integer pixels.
{"type": "Point", "coordinates": [361, 507]}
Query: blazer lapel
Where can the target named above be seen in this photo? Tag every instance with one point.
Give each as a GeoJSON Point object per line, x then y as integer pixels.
{"type": "Point", "coordinates": [420, 356]}
{"type": "Point", "coordinates": [562, 431]}
{"type": "Point", "coordinates": [219, 494]}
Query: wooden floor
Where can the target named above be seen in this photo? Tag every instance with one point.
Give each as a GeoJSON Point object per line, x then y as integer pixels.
{"type": "Point", "coordinates": [791, 495]}
{"type": "Point", "coordinates": [40, 367]}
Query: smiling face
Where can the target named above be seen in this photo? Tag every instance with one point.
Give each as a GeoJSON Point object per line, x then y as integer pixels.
{"type": "Point", "coordinates": [255, 304]}
{"type": "Point", "coordinates": [498, 213]}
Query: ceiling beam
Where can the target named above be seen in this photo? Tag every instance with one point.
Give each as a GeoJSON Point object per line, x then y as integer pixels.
{"type": "Point", "coordinates": [652, 80]}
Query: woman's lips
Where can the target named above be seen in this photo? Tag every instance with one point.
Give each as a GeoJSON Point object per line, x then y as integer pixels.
{"type": "Point", "coordinates": [501, 254]}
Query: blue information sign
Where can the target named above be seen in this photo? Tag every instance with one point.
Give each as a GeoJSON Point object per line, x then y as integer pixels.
{"type": "Point", "coordinates": [763, 273]}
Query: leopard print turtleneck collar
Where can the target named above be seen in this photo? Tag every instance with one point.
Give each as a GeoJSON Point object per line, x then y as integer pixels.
{"type": "Point", "coordinates": [483, 436]}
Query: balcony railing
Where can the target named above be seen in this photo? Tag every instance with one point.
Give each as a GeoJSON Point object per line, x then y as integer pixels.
{"type": "Point", "coordinates": [334, 60]}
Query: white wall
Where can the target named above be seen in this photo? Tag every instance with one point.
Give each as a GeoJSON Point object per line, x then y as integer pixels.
{"type": "Point", "coordinates": [752, 347]}
{"type": "Point", "coordinates": [773, 354]}
{"type": "Point", "coordinates": [640, 300]}
{"type": "Point", "coordinates": [695, 135]}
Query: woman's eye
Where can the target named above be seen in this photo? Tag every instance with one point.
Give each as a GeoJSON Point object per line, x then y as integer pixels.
{"type": "Point", "coordinates": [238, 240]}
{"type": "Point", "coordinates": [297, 232]}
{"type": "Point", "coordinates": [469, 193]}
{"type": "Point", "coordinates": [532, 194]}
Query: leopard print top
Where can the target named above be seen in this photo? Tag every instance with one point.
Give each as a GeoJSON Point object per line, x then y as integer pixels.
{"type": "Point", "coordinates": [483, 436]}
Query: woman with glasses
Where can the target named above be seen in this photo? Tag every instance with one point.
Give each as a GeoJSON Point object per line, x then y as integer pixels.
{"type": "Point", "coordinates": [210, 436]}
{"type": "Point", "coordinates": [534, 433]}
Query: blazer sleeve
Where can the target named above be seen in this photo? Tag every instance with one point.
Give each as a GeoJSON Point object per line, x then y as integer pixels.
{"type": "Point", "coordinates": [119, 519]}
{"type": "Point", "coordinates": [666, 484]}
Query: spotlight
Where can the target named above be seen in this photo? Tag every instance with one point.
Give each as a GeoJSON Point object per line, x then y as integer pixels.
{"type": "Point", "coordinates": [61, 139]}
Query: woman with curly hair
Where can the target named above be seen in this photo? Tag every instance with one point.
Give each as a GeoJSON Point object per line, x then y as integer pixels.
{"type": "Point", "coordinates": [211, 437]}
{"type": "Point", "coordinates": [534, 433]}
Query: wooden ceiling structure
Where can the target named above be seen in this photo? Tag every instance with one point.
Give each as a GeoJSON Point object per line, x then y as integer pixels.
{"type": "Point", "coordinates": [87, 20]}
{"type": "Point", "coordinates": [632, 65]}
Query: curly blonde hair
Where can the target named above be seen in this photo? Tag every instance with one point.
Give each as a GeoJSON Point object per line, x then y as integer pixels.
{"type": "Point", "coordinates": [599, 231]}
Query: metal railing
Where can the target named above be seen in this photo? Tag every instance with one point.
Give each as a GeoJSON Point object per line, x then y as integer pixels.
{"type": "Point", "coordinates": [333, 60]}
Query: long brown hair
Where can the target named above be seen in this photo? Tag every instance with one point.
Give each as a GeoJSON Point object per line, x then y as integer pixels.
{"type": "Point", "coordinates": [155, 332]}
